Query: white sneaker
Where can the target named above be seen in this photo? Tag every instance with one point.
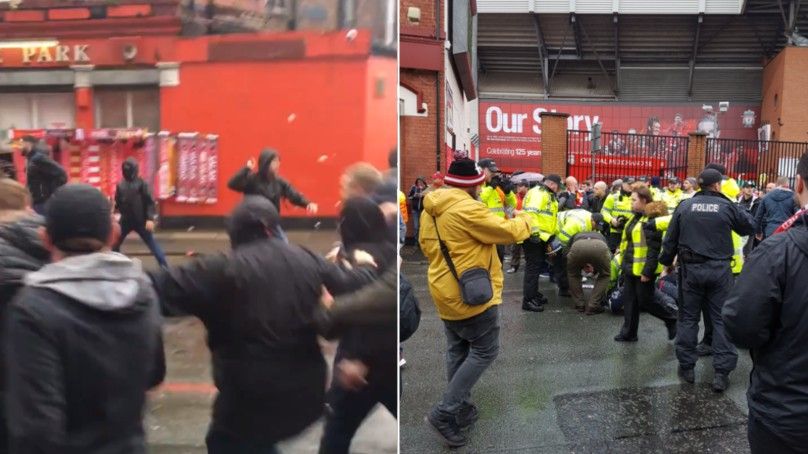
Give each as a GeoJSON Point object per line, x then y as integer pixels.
{"type": "Point", "coordinates": [402, 362]}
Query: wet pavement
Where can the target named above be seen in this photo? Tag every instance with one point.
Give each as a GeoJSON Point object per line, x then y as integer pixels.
{"type": "Point", "coordinates": [179, 411]}
{"type": "Point", "coordinates": [561, 384]}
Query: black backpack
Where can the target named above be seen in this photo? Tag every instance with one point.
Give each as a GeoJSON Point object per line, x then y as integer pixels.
{"type": "Point", "coordinates": [408, 311]}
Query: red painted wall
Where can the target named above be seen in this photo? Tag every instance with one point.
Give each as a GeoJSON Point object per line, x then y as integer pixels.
{"type": "Point", "coordinates": [312, 111]}
{"type": "Point", "coordinates": [381, 111]}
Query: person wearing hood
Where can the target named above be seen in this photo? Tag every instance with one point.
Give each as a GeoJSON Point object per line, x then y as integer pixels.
{"type": "Point", "coordinates": [266, 182]}
{"type": "Point", "coordinates": [774, 209]}
{"type": "Point", "coordinates": [134, 202]}
{"type": "Point", "coordinates": [699, 235]}
{"type": "Point", "coordinates": [43, 175]}
{"type": "Point", "coordinates": [456, 227]}
{"type": "Point", "coordinates": [416, 197]}
{"type": "Point", "coordinates": [84, 338]}
{"type": "Point", "coordinates": [766, 313]}
{"type": "Point", "coordinates": [21, 252]}
{"type": "Point", "coordinates": [370, 348]}
{"type": "Point", "coordinates": [258, 305]}
{"type": "Point", "coordinates": [639, 249]}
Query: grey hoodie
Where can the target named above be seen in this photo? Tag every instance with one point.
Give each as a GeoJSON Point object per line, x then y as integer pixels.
{"type": "Point", "coordinates": [106, 281]}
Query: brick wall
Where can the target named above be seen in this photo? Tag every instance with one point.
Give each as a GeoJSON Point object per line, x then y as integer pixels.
{"type": "Point", "coordinates": [696, 150]}
{"type": "Point", "coordinates": [784, 106]}
{"type": "Point", "coordinates": [554, 143]}
{"type": "Point", "coordinates": [418, 153]}
{"type": "Point", "coordinates": [427, 23]}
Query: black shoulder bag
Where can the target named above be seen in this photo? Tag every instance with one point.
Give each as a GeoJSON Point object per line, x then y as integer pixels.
{"type": "Point", "coordinates": [475, 283]}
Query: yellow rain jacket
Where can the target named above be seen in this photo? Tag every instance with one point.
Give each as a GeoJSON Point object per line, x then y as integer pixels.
{"type": "Point", "coordinates": [541, 204]}
{"type": "Point", "coordinates": [672, 199]}
{"type": "Point", "coordinates": [471, 233]}
{"type": "Point", "coordinates": [614, 206]}
{"type": "Point", "coordinates": [573, 222]}
{"type": "Point", "coordinates": [496, 200]}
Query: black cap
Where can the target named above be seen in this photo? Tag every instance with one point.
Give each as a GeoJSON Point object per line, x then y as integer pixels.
{"type": "Point", "coordinates": [629, 180]}
{"type": "Point", "coordinates": [709, 177]}
{"type": "Point", "coordinates": [488, 164]}
{"type": "Point", "coordinates": [716, 166]}
{"type": "Point", "coordinates": [77, 211]}
{"type": "Point", "coordinates": [749, 184]}
{"type": "Point", "coordinates": [523, 182]}
{"type": "Point", "coordinates": [554, 178]}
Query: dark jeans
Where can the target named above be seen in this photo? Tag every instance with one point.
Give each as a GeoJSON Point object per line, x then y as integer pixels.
{"type": "Point", "coordinates": [708, 284]}
{"type": "Point", "coordinates": [146, 236]}
{"type": "Point", "coordinates": [472, 345]}
{"type": "Point", "coordinates": [764, 441]}
{"type": "Point", "coordinates": [223, 443]}
{"type": "Point", "coordinates": [349, 409]}
{"type": "Point", "coordinates": [535, 255]}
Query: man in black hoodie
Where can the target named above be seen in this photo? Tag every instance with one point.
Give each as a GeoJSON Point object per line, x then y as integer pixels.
{"type": "Point", "coordinates": [258, 304]}
{"type": "Point", "coordinates": [133, 200]}
{"type": "Point", "coordinates": [43, 177]}
{"type": "Point", "coordinates": [767, 312]}
{"type": "Point", "coordinates": [267, 183]}
{"type": "Point", "coordinates": [21, 252]}
{"type": "Point", "coordinates": [84, 340]}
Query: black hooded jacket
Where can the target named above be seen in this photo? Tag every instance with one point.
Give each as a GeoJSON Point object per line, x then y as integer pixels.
{"type": "Point", "coordinates": [44, 175]}
{"type": "Point", "coordinates": [767, 312]}
{"type": "Point", "coordinates": [265, 183]}
{"type": "Point", "coordinates": [133, 197]}
{"type": "Point", "coordinates": [363, 227]}
{"type": "Point", "coordinates": [258, 304]}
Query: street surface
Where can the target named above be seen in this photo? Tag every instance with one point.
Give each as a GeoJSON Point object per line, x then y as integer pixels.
{"type": "Point", "coordinates": [179, 411]}
{"type": "Point", "coordinates": [561, 384]}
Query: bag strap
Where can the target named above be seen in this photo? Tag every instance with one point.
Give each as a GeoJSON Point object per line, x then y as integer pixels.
{"type": "Point", "coordinates": [445, 251]}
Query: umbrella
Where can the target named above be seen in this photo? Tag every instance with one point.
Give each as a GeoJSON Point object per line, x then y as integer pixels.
{"type": "Point", "coordinates": [531, 177]}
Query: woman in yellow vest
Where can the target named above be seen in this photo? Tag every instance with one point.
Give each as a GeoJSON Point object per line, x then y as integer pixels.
{"type": "Point", "coordinates": [639, 249]}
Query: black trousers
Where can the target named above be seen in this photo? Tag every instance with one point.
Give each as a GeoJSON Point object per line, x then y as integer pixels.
{"type": "Point", "coordinates": [764, 441]}
{"type": "Point", "coordinates": [535, 255]}
{"type": "Point", "coordinates": [614, 240]}
{"type": "Point", "coordinates": [638, 295]}
{"type": "Point", "coordinates": [501, 254]}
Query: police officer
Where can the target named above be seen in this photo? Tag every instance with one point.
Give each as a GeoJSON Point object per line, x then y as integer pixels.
{"type": "Point", "coordinates": [540, 202]}
{"type": "Point", "coordinates": [496, 195]}
{"type": "Point", "coordinates": [672, 195]}
{"type": "Point", "coordinates": [699, 233]}
{"type": "Point", "coordinates": [616, 211]}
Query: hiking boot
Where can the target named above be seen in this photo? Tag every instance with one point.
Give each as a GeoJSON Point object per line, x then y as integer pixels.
{"type": "Point", "coordinates": [467, 416]}
{"type": "Point", "coordinates": [446, 427]}
{"type": "Point", "coordinates": [720, 382]}
{"type": "Point", "coordinates": [688, 375]}
{"type": "Point", "coordinates": [671, 325]}
{"type": "Point", "coordinates": [704, 349]}
{"type": "Point", "coordinates": [595, 310]}
{"type": "Point", "coordinates": [532, 306]}
{"type": "Point", "coordinates": [623, 338]}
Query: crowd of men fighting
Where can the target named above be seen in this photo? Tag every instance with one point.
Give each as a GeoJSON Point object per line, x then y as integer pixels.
{"type": "Point", "coordinates": [703, 248]}
{"type": "Point", "coordinates": [82, 325]}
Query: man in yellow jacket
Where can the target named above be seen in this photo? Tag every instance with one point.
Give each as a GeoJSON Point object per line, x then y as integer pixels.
{"type": "Point", "coordinates": [672, 195]}
{"type": "Point", "coordinates": [541, 204]}
{"type": "Point", "coordinates": [470, 233]}
{"type": "Point", "coordinates": [496, 195]}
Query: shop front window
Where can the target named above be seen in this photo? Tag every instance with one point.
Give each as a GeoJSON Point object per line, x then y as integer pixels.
{"type": "Point", "coordinates": [37, 111]}
{"type": "Point", "coordinates": [132, 108]}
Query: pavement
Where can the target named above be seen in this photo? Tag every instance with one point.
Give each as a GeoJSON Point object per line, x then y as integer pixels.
{"type": "Point", "coordinates": [561, 384]}
{"type": "Point", "coordinates": [178, 412]}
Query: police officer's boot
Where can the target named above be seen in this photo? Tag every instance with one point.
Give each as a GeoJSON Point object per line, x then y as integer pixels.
{"type": "Point", "coordinates": [720, 382]}
{"type": "Point", "coordinates": [688, 375]}
{"type": "Point", "coordinates": [532, 306]}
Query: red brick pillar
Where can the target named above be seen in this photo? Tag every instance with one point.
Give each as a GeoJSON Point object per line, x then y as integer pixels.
{"type": "Point", "coordinates": [696, 153]}
{"type": "Point", "coordinates": [554, 143]}
{"type": "Point", "coordinates": [83, 91]}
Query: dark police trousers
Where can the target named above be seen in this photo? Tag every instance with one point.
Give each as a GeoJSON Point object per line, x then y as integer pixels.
{"type": "Point", "coordinates": [707, 283]}
{"type": "Point", "coordinates": [535, 255]}
{"type": "Point", "coordinates": [763, 441]}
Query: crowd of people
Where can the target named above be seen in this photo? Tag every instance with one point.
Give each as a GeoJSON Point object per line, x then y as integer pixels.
{"type": "Point", "coordinates": [675, 252]}
{"type": "Point", "coordinates": [82, 324]}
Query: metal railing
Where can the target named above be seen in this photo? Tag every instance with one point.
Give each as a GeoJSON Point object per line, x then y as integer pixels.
{"type": "Point", "coordinates": [759, 161]}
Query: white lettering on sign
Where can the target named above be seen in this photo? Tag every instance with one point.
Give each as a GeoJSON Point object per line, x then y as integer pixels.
{"type": "Point", "coordinates": [62, 54]}
{"type": "Point", "coordinates": [704, 207]}
{"type": "Point", "coordinates": [497, 121]}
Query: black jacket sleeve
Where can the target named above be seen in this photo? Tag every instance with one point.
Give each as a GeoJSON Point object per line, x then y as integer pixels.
{"type": "Point", "coordinates": [742, 222]}
{"type": "Point", "coordinates": [670, 245]}
{"type": "Point", "coordinates": [373, 304]}
{"type": "Point", "coordinates": [653, 238]}
{"type": "Point", "coordinates": [290, 194]}
{"type": "Point", "coordinates": [148, 200]}
{"type": "Point", "coordinates": [240, 181]}
{"type": "Point", "coordinates": [35, 394]}
{"type": "Point", "coordinates": [749, 313]}
{"type": "Point", "coordinates": [118, 198]}
{"type": "Point", "coordinates": [339, 280]}
{"type": "Point", "coordinates": [760, 216]}
{"type": "Point", "coordinates": [195, 288]}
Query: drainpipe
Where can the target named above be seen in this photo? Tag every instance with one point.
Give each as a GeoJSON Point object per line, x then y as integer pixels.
{"type": "Point", "coordinates": [438, 145]}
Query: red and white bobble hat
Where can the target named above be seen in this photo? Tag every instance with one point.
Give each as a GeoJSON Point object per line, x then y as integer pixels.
{"type": "Point", "coordinates": [463, 173]}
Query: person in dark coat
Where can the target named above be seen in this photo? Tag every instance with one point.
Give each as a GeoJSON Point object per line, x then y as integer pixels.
{"type": "Point", "coordinates": [416, 197]}
{"type": "Point", "coordinates": [767, 312]}
{"type": "Point", "coordinates": [266, 182]}
{"type": "Point", "coordinates": [43, 176]}
{"type": "Point", "coordinates": [776, 207]}
{"type": "Point", "coordinates": [257, 303]}
{"type": "Point", "coordinates": [133, 200]}
{"type": "Point", "coordinates": [362, 227]}
{"type": "Point", "coordinates": [21, 252]}
{"type": "Point", "coordinates": [84, 338]}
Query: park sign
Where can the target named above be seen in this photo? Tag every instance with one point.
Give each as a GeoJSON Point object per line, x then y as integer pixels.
{"type": "Point", "coordinates": [61, 54]}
